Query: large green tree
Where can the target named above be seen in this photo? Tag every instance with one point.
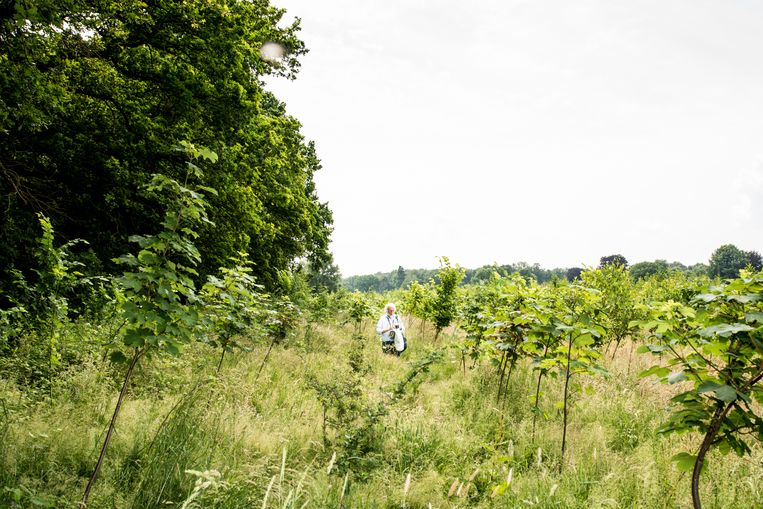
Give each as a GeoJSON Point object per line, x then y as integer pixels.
{"type": "Point", "coordinates": [643, 270]}
{"type": "Point", "coordinates": [727, 261]}
{"type": "Point", "coordinates": [95, 94]}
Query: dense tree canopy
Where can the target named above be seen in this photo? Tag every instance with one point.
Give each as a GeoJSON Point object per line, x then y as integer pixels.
{"type": "Point", "coordinates": [402, 278]}
{"type": "Point", "coordinates": [643, 270]}
{"type": "Point", "coordinates": [727, 261]}
{"type": "Point", "coordinates": [94, 96]}
{"type": "Point", "coordinates": [755, 260]}
{"type": "Point", "coordinates": [616, 259]}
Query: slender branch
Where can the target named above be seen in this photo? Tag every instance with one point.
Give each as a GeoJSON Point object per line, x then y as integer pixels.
{"type": "Point", "coordinates": [112, 425]}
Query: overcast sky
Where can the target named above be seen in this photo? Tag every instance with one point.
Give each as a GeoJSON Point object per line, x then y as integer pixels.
{"type": "Point", "coordinates": [553, 132]}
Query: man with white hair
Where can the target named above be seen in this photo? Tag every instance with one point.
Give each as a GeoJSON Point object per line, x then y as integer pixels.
{"type": "Point", "coordinates": [390, 328]}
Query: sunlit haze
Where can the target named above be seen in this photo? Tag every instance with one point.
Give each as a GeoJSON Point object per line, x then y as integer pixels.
{"type": "Point", "coordinates": [553, 132]}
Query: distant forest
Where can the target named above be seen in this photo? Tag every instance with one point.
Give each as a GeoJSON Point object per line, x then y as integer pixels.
{"type": "Point", "coordinates": [724, 262]}
{"type": "Point", "coordinates": [401, 278]}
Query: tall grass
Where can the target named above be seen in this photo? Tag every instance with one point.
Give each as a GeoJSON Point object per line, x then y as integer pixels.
{"type": "Point", "coordinates": [240, 441]}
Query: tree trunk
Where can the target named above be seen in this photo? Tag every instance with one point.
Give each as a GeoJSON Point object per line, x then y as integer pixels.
{"type": "Point", "coordinates": [537, 393]}
{"type": "Point", "coordinates": [566, 392]}
{"type": "Point", "coordinates": [506, 385]}
{"type": "Point", "coordinates": [715, 425]}
{"type": "Point", "coordinates": [220, 364]}
{"type": "Point", "coordinates": [273, 342]}
{"type": "Point", "coordinates": [617, 345]}
{"type": "Point", "coordinates": [502, 370]}
{"type": "Point", "coordinates": [125, 385]}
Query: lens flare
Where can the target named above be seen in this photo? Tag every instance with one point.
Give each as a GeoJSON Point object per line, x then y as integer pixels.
{"type": "Point", "coordinates": [272, 52]}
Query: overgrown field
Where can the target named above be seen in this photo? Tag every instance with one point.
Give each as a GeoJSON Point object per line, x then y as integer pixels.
{"type": "Point", "coordinates": [253, 435]}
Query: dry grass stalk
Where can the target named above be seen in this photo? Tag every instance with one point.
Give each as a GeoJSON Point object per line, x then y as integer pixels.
{"type": "Point", "coordinates": [453, 487]}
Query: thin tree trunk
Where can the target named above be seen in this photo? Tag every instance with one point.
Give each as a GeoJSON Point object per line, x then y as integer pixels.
{"type": "Point", "coordinates": [273, 342]}
{"type": "Point", "coordinates": [506, 385]}
{"type": "Point", "coordinates": [537, 393]}
{"type": "Point", "coordinates": [502, 369]}
{"type": "Point", "coordinates": [617, 345]}
{"type": "Point", "coordinates": [715, 425]}
{"type": "Point", "coordinates": [566, 392]}
{"type": "Point", "coordinates": [630, 357]}
{"type": "Point", "coordinates": [707, 442]}
{"type": "Point", "coordinates": [536, 409]}
{"type": "Point", "coordinates": [220, 364]}
{"type": "Point", "coordinates": [99, 463]}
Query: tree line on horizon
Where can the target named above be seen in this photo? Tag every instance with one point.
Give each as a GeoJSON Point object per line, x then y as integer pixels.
{"type": "Point", "coordinates": [725, 262]}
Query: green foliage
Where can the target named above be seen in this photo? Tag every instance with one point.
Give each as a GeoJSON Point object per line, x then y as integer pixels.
{"type": "Point", "coordinates": [616, 259]}
{"type": "Point", "coordinates": [353, 419]}
{"type": "Point", "coordinates": [417, 299]}
{"type": "Point", "coordinates": [41, 311]}
{"type": "Point", "coordinates": [282, 317]}
{"type": "Point", "coordinates": [359, 309]}
{"type": "Point", "coordinates": [418, 368]}
{"type": "Point", "coordinates": [716, 344]}
{"type": "Point", "coordinates": [616, 304]}
{"type": "Point", "coordinates": [188, 438]}
{"type": "Point", "coordinates": [323, 277]}
{"type": "Point", "coordinates": [156, 294]}
{"type": "Point", "coordinates": [677, 286]}
{"type": "Point", "coordinates": [246, 441]}
{"type": "Point", "coordinates": [232, 305]}
{"type": "Point", "coordinates": [727, 261]}
{"type": "Point", "coordinates": [643, 270]}
{"type": "Point", "coordinates": [401, 278]}
{"type": "Point", "coordinates": [754, 260]}
{"type": "Point", "coordinates": [93, 96]}
{"type": "Point", "coordinates": [573, 273]}
{"type": "Point", "coordinates": [157, 291]}
{"type": "Point", "coordinates": [444, 307]}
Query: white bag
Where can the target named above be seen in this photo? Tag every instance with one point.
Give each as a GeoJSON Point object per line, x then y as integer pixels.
{"type": "Point", "coordinates": [399, 341]}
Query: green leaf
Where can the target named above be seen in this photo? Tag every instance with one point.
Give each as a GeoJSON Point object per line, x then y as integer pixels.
{"type": "Point", "coordinates": [172, 348]}
{"type": "Point", "coordinates": [722, 392]}
{"type": "Point", "coordinates": [655, 371]}
{"type": "Point", "coordinates": [744, 299]}
{"type": "Point", "coordinates": [39, 501]}
{"type": "Point", "coordinates": [707, 386]}
{"type": "Point", "coordinates": [724, 330]}
{"type": "Point", "coordinates": [726, 393]}
{"type": "Point", "coordinates": [117, 357]}
{"type": "Point", "coordinates": [715, 348]}
{"type": "Point", "coordinates": [136, 338]}
{"type": "Point", "coordinates": [675, 378]}
{"type": "Point", "coordinates": [684, 461]}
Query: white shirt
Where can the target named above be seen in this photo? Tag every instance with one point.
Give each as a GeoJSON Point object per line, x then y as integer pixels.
{"type": "Point", "coordinates": [387, 321]}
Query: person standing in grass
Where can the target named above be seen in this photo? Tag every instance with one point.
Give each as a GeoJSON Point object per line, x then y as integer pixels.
{"type": "Point", "coordinates": [391, 329]}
